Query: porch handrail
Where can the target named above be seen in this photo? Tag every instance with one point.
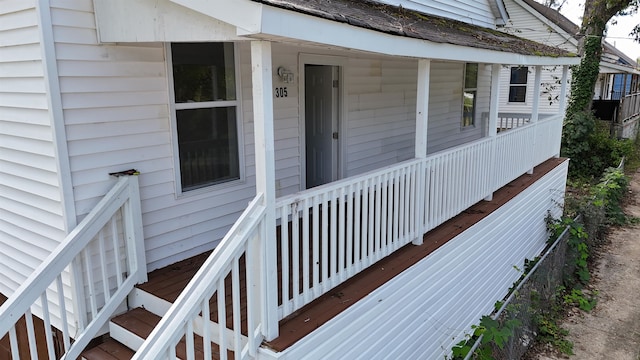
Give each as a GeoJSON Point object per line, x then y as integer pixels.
{"type": "Point", "coordinates": [244, 239]}
{"type": "Point", "coordinates": [331, 232]}
{"type": "Point", "coordinates": [49, 275]}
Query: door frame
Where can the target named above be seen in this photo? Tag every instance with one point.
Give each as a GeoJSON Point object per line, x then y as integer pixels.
{"type": "Point", "coordinates": [329, 60]}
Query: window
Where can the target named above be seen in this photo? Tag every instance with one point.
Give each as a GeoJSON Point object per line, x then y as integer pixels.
{"type": "Point", "coordinates": [518, 88]}
{"type": "Point", "coordinates": [469, 94]}
{"type": "Point", "coordinates": [206, 113]}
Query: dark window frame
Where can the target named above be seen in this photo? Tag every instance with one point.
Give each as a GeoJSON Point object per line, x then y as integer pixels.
{"type": "Point", "coordinates": [206, 115]}
{"type": "Point", "coordinates": [469, 95]}
{"type": "Point", "coordinates": [518, 84]}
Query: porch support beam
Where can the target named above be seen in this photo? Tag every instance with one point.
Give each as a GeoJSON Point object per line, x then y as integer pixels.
{"type": "Point", "coordinates": [493, 110]}
{"type": "Point", "coordinates": [563, 90]}
{"type": "Point", "coordinates": [422, 122]}
{"type": "Point", "coordinates": [535, 108]}
{"type": "Point", "coordinates": [422, 108]}
{"type": "Point", "coordinates": [261, 69]}
{"type": "Point", "coordinates": [494, 100]}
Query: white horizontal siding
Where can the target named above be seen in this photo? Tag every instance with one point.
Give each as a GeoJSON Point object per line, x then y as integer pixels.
{"type": "Point", "coordinates": [477, 12]}
{"type": "Point", "coordinates": [525, 22]}
{"type": "Point", "coordinates": [32, 221]}
{"type": "Point", "coordinates": [445, 106]}
{"type": "Point", "coordinates": [163, 21]}
{"type": "Point", "coordinates": [549, 91]}
{"type": "Point", "coordinates": [424, 311]}
{"type": "Point", "coordinates": [380, 113]}
{"type": "Point", "coordinates": [116, 103]}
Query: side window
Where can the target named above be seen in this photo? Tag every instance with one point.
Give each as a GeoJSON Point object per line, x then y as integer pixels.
{"type": "Point", "coordinates": [469, 94]}
{"type": "Point", "coordinates": [206, 113]}
{"type": "Point", "coordinates": [518, 84]}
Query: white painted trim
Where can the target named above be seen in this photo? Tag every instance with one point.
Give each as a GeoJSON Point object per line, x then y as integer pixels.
{"type": "Point", "coordinates": [330, 60]}
{"type": "Point", "coordinates": [173, 106]}
{"type": "Point", "coordinates": [244, 14]}
{"type": "Point", "coordinates": [323, 31]}
{"type": "Point", "coordinates": [504, 15]}
{"type": "Point", "coordinates": [422, 108]}
{"type": "Point", "coordinates": [563, 90]}
{"type": "Point", "coordinates": [606, 67]}
{"type": "Point", "coordinates": [262, 86]}
{"type": "Point", "coordinates": [494, 100]}
{"type": "Point", "coordinates": [56, 116]}
{"type": "Point", "coordinates": [535, 107]}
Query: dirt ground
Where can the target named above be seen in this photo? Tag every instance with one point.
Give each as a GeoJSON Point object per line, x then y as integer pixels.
{"type": "Point", "coordinates": [612, 329]}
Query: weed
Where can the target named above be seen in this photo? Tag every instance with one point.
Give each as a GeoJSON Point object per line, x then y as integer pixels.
{"type": "Point", "coordinates": [577, 298]}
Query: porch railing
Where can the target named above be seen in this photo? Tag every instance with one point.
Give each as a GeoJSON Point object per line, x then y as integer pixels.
{"type": "Point", "coordinates": [508, 121]}
{"type": "Point", "coordinates": [107, 248]}
{"type": "Point", "coordinates": [230, 277]}
{"type": "Point", "coordinates": [629, 107]}
{"type": "Point", "coordinates": [338, 229]}
{"type": "Point", "coordinates": [331, 232]}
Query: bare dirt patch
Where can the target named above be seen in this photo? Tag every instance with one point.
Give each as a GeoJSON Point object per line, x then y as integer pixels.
{"type": "Point", "coordinates": [612, 329]}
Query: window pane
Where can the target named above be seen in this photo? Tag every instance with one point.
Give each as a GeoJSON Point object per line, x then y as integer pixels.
{"type": "Point", "coordinates": [519, 75]}
{"type": "Point", "coordinates": [468, 108]}
{"type": "Point", "coordinates": [517, 93]}
{"type": "Point", "coordinates": [471, 76]}
{"type": "Point", "coordinates": [203, 72]}
{"type": "Point", "coordinates": [208, 146]}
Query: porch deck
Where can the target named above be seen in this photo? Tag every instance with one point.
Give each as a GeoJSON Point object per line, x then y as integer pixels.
{"type": "Point", "coordinates": [168, 282]}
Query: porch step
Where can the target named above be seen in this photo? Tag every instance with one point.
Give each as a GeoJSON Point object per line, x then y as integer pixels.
{"type": "Point", "coordinates": [108, 350]}
{"type": "Point", "coordinates": [133, 327]}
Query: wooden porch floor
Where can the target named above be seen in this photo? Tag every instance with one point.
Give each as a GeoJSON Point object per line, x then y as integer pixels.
{"type": "Point", "coordinates": [168, 282]}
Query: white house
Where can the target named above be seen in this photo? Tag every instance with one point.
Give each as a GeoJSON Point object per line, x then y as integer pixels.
{"type": "Point", "coordinates": [351, 128]}
{"type": "Point", "coordinates": [618, 83]}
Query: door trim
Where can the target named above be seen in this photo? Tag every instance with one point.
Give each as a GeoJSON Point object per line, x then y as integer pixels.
{"type": "Point", "coordinates": [330, 60]}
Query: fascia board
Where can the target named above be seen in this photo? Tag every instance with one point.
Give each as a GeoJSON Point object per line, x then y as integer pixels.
{"type": "Point", "coordinates": [609, 68]}
{"type": "Point", "coordinates": [243, 14]}
{"type": "Point", "coordinates": [504, 17]}
{"type": "Point", "coordinates": [278, 23]}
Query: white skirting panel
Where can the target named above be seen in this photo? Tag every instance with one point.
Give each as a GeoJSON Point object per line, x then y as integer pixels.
{"type": "Point", "coordinates": [424, 311]}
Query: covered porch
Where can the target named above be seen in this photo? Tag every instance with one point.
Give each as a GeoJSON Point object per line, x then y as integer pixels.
{"type": "Point", "coordinates": [333, 231]}
{"type": "Point", "coordinates": [167, 283]}
{"type": "Point", "coordinates": [263, 280]}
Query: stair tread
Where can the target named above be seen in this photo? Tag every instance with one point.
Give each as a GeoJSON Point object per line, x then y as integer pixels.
{"type": "Point", "coordinates": [108, 350]}
{"type": "Point", "coordinates": [141, 322]}
{"type": "Point", "coordinates": [138, 321]}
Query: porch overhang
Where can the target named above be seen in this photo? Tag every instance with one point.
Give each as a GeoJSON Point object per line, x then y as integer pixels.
{"type": "Point", "coordinates": [379, 30]}
{"type": "Point", "coordinates": [281, 26]}
{"type": "Point", "coordinates": [611, 68]}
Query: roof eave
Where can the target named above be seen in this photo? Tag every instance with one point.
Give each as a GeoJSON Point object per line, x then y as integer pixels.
{"type": "Point", "coordinates": [278, 24]}
{"type": "Point", "coordinates": [611, 68]}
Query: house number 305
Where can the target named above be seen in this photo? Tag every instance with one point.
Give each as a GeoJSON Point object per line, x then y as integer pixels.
{"type": "Point", "coordinates": [281, 92]}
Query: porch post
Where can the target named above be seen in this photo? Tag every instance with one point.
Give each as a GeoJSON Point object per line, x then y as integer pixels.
{"type": "Point", "coordinates": [563, 90]}
{"type": "Point", "coordinates": [422, 108]}
{"type": "Point", "coordinates": [493, 121]}
{"type": "Point", "coordinates": [535, 108]}
{"type": "Point", "coordinates": [261, 70]}
{"type": "Point", "coordinates": [493, 102]}
{"type": "Point", "coordinates": [422, 120]}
